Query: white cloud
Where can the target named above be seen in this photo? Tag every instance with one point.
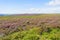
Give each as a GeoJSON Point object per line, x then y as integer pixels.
{"type": "Point", "coordinates": [15, 11]}
{"type": "Point", "coordinates": [53, 6]}
{"type": "Point", "coordinates": [32, 10]}
{"type": "Point", "coordinates": [54, 2]}
{"type": "Point", "coordinates": [51, 10]}
{"type": "Point", "coordinates": [45, 10]}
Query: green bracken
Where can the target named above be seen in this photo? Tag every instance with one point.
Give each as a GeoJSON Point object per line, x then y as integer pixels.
{"type": "Point", "coordinates": [34, 34]}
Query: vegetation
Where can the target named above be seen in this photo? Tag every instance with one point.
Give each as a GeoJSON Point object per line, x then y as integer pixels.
{"type": "Point", "coordinates": [36, 27]}
{"type": "Point", "coordinates": [34, 34]}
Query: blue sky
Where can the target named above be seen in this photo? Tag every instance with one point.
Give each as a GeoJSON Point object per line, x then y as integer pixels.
{"type": "Point", "coordinates": [29, 6]}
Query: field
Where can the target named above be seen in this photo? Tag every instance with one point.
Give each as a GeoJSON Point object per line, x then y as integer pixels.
{"type": "Point", "coordinates": [30, 27]}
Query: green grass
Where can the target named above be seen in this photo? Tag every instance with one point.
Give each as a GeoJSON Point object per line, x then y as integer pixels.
{"type": "Point", "coordinates": [34, 34]}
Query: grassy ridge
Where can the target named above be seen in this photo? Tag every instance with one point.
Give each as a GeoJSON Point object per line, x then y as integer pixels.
{"type": "Point", "coordinates": [32, 16]}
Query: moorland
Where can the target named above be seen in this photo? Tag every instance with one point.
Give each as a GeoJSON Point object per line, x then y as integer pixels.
{"type": "Point", "coordinates": [30, 27]}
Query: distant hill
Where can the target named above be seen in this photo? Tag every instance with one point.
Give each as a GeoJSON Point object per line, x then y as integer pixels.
{"type": "Point", "coordinates": [17, 14]}
{"type": "Point", "coordinates": [23, 14]}
{"type": "Point", "coordinates": [3, 14]}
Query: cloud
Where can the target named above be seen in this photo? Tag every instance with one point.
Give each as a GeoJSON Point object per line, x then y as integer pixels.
{"type": "Point", "coordinates": [45, 10]}
{"type": "Point", "coordinates": [54, 2]}
{"type": "Point", "coordinates": [51, 10]}
{"type": "Point", "coordinates": [16, 11]}
{"type": "Point", "coordinates": [53, 6]}
{"type": "Point", "coordinates": [32, 10]}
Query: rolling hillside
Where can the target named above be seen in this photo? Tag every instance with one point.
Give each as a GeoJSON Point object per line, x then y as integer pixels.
{"type": "Point", "coordinates": [17, 23]}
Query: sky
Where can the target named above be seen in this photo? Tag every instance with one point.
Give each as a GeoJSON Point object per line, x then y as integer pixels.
{"type": "Point", "coordinates": [29, 6]}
